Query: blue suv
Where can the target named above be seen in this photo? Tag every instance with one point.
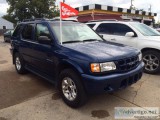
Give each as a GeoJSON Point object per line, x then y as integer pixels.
{"type": "Point", "coordinates": [81, 64]}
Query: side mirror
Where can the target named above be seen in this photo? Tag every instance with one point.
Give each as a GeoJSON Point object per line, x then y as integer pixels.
{"type": "Point", "coordinates": [44, 40]}
{"type": "Point", "coordinates": [129, 34]}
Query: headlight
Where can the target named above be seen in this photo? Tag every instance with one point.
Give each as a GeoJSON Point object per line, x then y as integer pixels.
{"type": "Point", "coordinates": [140, 57]}
{"type": "Point", "coordinates": [103, 67]}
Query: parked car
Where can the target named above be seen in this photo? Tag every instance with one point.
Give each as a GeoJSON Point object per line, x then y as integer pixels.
{"type": "Point", "coordinates": [7, 35]}
{"type": "Point", "coordinates": [83, 64]}
{"type": "Point", "coordinates": [133, 34]}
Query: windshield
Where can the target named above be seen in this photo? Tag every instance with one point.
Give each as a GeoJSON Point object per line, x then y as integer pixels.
{"type": "Point", "coordinates": [145, 30]}
{"type": "Point", "coordinates": [75, 32]}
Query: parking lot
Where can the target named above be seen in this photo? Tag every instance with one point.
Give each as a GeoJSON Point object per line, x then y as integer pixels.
{"type": "Point", "coordinates": [29, 97]}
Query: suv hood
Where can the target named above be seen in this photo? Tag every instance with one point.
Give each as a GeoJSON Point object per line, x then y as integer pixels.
{"type": "Point", "coordinates": [102, 51]}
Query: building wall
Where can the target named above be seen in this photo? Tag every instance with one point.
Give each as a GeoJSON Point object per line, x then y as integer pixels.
{"type": "Point", "coordinates": [110, 12]}
{"type": "Point", "coordinates": [86, 18]}
{"type": "Point", "coordinates": [6, 23]}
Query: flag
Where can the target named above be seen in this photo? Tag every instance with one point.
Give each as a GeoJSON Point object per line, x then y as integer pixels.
{"type": "Point", "coordinates": [67, 11]}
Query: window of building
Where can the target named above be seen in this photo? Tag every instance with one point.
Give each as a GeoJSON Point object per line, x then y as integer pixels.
{"type": "Point", "coordinates": [4, 27]}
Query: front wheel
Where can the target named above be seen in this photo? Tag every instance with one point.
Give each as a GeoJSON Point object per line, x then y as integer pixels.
{"type": "Point", "coordinates": [71, 89]}
{"type": "Point", "coordinates": [151, 59]}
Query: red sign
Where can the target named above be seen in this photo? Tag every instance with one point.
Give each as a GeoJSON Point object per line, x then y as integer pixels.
{"type": "Point", "coordinates": [67, 11]}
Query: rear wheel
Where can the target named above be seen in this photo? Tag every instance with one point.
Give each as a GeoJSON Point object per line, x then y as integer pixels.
{"type": "Point", "coordinates": [5, 39]}
{"type": "Point", "coordinates": [19, 64]}
{"type": "Point", "coordinates": [71, 89]}
{"type": "Point", "coordinates": [151, 59]}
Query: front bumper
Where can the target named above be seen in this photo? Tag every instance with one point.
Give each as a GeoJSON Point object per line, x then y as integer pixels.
{"type": "Point", "coordinates": [109, 83]}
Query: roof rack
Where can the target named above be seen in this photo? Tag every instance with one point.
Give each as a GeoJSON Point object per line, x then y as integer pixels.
{"type": "Point", "coordinates": [28, 20]}
{"type": "Point", "coordinates": [103, 20]}
{"type": "Point", "coordinates": [73, 19]}
{"type": "Point", "coordinates": [54, 19]}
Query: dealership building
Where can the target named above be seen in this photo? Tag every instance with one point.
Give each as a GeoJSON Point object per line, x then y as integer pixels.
{"type": "Point", "coordinates": [96, 11]}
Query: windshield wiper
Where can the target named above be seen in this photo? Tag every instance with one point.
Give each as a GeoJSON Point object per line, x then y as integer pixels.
{"type": "Point", "coordinates": [88, 40]}
{"type": "Point", "coordinates": [73, 41]}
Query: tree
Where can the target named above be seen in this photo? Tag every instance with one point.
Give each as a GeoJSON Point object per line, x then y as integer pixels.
{"type": "Point", "coordinates": [27, 9]}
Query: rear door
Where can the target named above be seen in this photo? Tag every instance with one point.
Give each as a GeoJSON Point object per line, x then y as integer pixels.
{"type": "Point", "coordinates": [26, 43]}
{"type": "Point", "coordinates": [115, 32]}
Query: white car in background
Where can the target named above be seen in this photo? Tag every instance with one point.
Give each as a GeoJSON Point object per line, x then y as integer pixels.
{"type": "Point", "coordinates": [133, 34]}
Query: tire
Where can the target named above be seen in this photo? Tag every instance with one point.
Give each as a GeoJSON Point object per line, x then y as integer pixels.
{"type": "Point", "coordinates": [5, 39]}
{"type": "Point", "coordinates": [19, 64]}
{"type": "Point", "coordinates": [72, 82]}
{"type": "Point", "coordinates": [151, 58]}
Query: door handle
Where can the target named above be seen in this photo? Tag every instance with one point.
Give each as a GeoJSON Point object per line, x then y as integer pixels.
{"type": "Point", "coordinates": [113, 39]}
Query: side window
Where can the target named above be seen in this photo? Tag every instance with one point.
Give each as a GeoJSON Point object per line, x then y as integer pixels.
{"type": "Point", "coordinates": [122, 29]}
{"type": "Point", "coordinates": [27, 32]}
{"type": "Point", "coordinates": [42, 30]}
{"type": "Point", "coordinates": [113, 29]}
{"type": "Point", "coordinates": [91, 25]}
{"type": "Point", "coordinates": [17, 30]}
{"type": "Point", "coordinates": [105, 28]}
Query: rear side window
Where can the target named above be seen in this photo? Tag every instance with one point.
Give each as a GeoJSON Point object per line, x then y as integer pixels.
{"type": "Point", "coordinates": [27, 32]}
{"type": "Point", "coordinates": [113, 29]}
{"type": "Point", "coordinates": [91, 25]}
{"type": "Point", "coordinates": [17, 31]}
{"type": "Point", "coordinates": [105, 28]}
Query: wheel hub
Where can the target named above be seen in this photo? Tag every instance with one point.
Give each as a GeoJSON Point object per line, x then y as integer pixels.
{"type": "Point", "coordinates": [69, 89]}
{"type": "Point", "coordinates": [150, 62]}
{"type": "Point", "coordinates": [18, 63]}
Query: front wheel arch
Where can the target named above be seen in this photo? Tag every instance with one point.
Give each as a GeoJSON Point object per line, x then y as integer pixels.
{"type": "Point", "coordinates": [68, 65]}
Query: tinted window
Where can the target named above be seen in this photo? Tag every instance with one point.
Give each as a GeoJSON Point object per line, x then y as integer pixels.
{"type": "Point", "coordinates": [17, 30]}
{"type": "Point", "coordinates": [91, 25]}
{"type": "Point", "coordinates": [42, 30]}
{"type": "Point", "coordinates": [27, 32]}
{"type": "Point", "coordinates": [122, 29]}
{"type": "Point", "coordinates": [113, 29]}
{"type": "Point", "coordinates": [105, 28]}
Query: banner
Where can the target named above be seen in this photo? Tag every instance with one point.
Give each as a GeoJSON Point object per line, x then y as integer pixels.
{"type": "Point", "coordinates": [67, 11]}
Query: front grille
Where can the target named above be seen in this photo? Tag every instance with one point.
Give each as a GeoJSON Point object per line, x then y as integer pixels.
{"type": "Point", "coordinates": [128, 63]}
{"type": "Point", "coordinates": [130, 80]}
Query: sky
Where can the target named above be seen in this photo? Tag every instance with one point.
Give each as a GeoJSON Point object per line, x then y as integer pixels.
{"type": "Point", "coordinates": [140, 4]}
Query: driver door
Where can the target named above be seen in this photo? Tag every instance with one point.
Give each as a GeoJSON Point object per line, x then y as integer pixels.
{"type": "Point", "coordinates": [44, 53]}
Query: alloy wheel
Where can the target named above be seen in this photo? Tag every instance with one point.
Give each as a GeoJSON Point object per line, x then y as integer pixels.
{"type": "Point", "coordinates": [69, 89]}
{"type": "Point", "coordinates": [18, 63]}
{"type": "Point", "coordinates": [151, 62]}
